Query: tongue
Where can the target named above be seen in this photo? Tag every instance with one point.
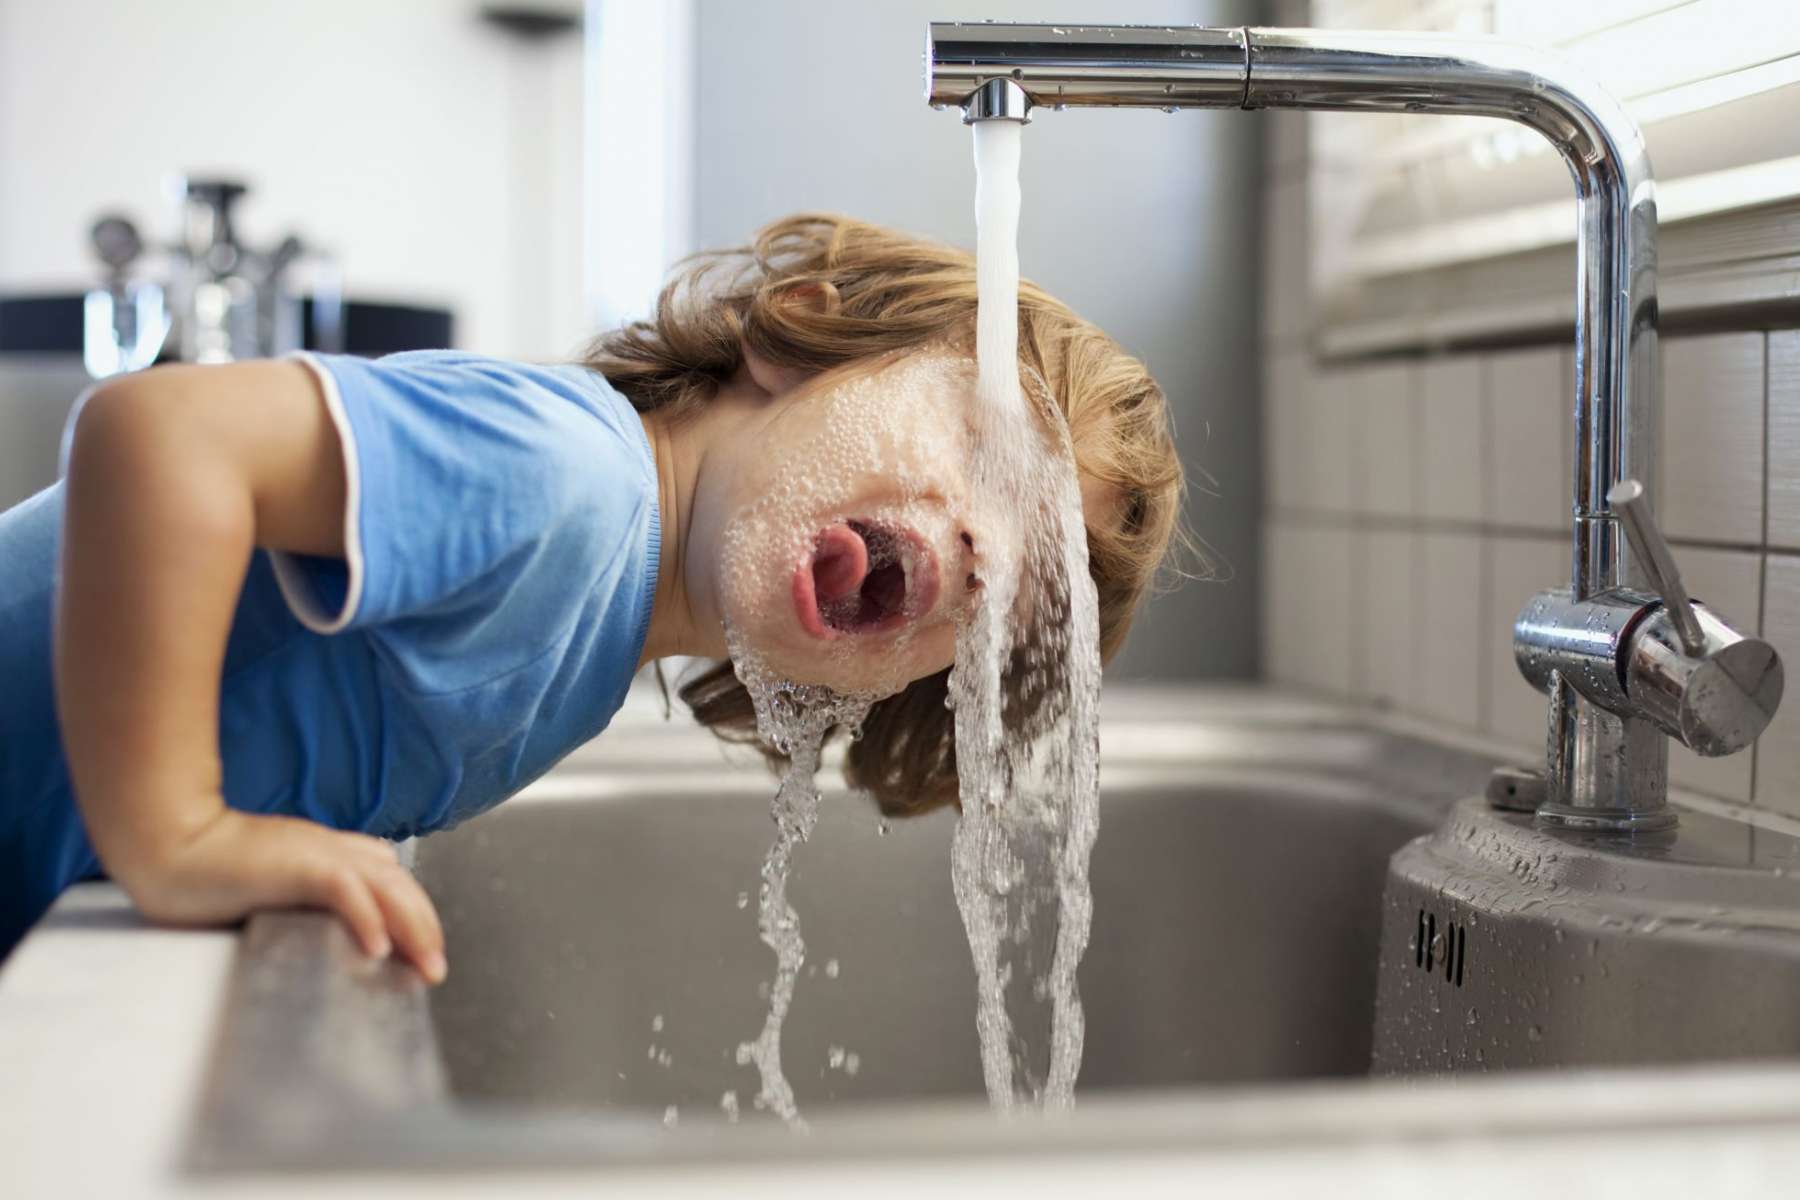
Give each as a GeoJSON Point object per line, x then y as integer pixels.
{"type": "Point", "coordinates": [840, 563]}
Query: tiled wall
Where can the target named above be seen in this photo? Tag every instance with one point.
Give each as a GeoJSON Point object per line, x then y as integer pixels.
{"type": "Point", "coordinates": [1413, 505]}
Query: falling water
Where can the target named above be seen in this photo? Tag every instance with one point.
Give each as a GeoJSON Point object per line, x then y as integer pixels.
{"type": "Point", "coordinates": [1025, 689]}
{"type": "Point", "coordinates": [794, 719]}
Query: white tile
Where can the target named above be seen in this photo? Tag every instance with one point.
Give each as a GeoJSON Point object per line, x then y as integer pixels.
{"type": "Point", "coordinates": [1284, 417]}
{"type": "Point", "coordinates": [1778, 753]}
{"type": "Point", "coordinates": [1284, 262]}
{"type": "Point", "coordinates": [1530, 396]}
{"type": "Point", "coordinates": [1333, 460]}
{"type": "Point", "coordinates": [1282, 574]}
{"type": "Point", "coordinates": [1448, 628]}
{"type": "Point", "coordinates": [1308, 450]}
{"type": "Point", "coordinates": [1784, 439]}
{"type": "Point", "coordinates": [1452, 467]}
{"type": "Point", "coordinates": [1306, 606]}
{"type": "Point", "coordinates": [1712, 438]}
{"type": "Point", "coordinates": [1729, 582]}
{"type": "Point", "coordinates": [1385, 427]}
{"type": "Point", "coordinates": [1386, 609]}
{"type": "Point", "coordinates": [1518, 569]}
{"type": "Point", "coordinates": [1328, 611]}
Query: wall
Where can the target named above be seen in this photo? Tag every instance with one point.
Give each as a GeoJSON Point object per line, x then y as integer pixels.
{"type": "Point", "coordinates": [1414, 503]}
{"type": "Point", "coordinates": [439, 157]}
{"type": "Point", "coordinates": [1144, 223]}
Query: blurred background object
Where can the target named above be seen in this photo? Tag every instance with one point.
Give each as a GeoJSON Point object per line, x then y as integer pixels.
{"type": "Point", "coordinates": [212, 299]}
{"type": "Point", "coordinates": [193, 181]}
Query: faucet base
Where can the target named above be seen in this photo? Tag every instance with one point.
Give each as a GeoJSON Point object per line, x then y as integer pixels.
{"type": "Point", "coordinates": [1605, 820]}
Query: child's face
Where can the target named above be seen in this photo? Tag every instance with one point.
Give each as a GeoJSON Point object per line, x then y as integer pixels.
{"type": "Point", "coordinates": [842, 527]}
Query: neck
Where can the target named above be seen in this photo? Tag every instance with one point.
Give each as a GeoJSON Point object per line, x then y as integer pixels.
{"type": "Point", "coordinates": [684, 617]}
{"type": "Point", "coordinates": [675, 626]}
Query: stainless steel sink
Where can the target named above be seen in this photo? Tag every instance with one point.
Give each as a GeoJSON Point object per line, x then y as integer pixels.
{"type": "Point", "coordinates": [591, 935]}
{"type": "Point", "coordinates": [1244, 977]}
{"type": "Point", "coordinates": [605, 964]}
{"type": "Point", "coordinates": [1506, 945]}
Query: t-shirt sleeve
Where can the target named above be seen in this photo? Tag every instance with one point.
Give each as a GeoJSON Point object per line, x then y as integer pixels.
{"type": "Point", "coordinates": [465, 475]}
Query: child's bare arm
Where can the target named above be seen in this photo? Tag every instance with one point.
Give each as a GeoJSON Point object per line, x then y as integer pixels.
{"type": "Point", "coordinates": [175, 476]}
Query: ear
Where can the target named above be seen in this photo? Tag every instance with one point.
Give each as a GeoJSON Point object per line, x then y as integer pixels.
{"type": "Point", "coordinates": [778, 380]}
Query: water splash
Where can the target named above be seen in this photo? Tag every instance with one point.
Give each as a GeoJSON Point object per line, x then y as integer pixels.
{"type": "Point", "coordinates": [794, 720]}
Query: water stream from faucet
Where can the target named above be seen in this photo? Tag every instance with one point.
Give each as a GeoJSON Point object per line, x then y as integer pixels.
{"type": "Point", "coordinates": [1025, 689]}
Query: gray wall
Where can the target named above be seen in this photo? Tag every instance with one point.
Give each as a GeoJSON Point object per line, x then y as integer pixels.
{"type": "Point", "coordinates": [1145, 223]}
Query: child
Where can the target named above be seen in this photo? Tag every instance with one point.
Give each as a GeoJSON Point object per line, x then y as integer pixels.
{"type": "Point", "coordinates": [464, 561]}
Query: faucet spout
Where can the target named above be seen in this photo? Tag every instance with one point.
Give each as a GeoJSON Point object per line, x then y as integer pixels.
{"type": "Point", "coordinates": [1174, 67]}
{"type": "Point", "coordinates": [997, 100]}
{"type": "Point", "coordinates": [1607, 758]}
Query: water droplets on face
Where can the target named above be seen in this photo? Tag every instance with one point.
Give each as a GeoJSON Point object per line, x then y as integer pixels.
{"type": "Point", "coordinates": [885, 448]}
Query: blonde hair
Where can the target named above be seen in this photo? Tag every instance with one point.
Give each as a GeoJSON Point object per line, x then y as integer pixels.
{"type": "Point", "coordinates": [883, 292]}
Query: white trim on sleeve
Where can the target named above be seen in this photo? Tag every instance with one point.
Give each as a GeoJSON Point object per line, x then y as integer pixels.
{"type": "Point", "coordinates": [288, 575]}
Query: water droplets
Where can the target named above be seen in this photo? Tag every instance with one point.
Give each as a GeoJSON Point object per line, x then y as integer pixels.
{"type": "Point", "coordinates": [839, 1059]}
{"type": "Point", "coordinates": [794, 719]}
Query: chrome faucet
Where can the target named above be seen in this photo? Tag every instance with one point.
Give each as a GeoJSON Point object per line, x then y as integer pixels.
{"type": "Point", "coordinates": [211, 298]}
{"type": "Point", "coordinates": [1622, 653]}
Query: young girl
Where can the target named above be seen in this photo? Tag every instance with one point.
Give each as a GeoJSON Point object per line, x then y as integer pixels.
{"type": "Point", "coordinates": [465, 560]}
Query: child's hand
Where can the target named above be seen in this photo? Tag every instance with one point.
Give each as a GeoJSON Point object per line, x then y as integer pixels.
{"type": "Point", "coordinates": [239, 862]}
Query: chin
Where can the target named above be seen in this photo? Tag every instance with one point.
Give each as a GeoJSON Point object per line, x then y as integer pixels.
{"type": "Point", "coordinates": [873, 664]}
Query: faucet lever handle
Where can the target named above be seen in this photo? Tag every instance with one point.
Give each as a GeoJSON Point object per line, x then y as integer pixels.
{"type": "Point", "coordinates": [1633, 507]}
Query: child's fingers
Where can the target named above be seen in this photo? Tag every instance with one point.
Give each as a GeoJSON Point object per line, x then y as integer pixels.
{"type": "Point", "coordinates": [340, 887]}
{"type": "Point", "coordinates": [412, 919]}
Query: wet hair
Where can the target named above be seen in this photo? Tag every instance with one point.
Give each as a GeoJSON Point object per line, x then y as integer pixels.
{"type": "Point", "coordinates": [885, 292]}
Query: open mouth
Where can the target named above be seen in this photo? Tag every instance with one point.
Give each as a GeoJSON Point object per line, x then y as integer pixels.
{"type": "Point", "coordinates": [864, 577]}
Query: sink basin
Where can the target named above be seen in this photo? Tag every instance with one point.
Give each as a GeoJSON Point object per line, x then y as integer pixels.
{"type": "Point", "coordinates": [605, 964]}
{"type": "Point", "coordinates": [1277, 885]}
{"type": "Point", "coordinates": [591, 934]}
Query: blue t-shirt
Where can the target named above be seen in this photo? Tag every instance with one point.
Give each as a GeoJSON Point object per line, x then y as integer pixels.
{"type": "Point", "coordinates": [501, 546]}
